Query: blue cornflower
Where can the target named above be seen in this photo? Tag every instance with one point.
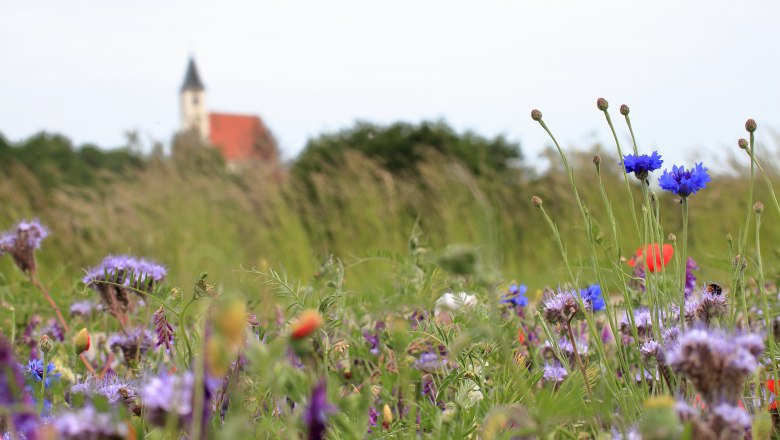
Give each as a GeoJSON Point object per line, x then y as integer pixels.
{"type": "Point", "coordinates": [592, 296]}
{"type": "Point", "coordinates": [35, 370]}
{"type": "Point", "coordinates": [642, 165]}
{"type": "Point", "coordinates": [684, 182]}
{"type": "Point", "coordinates": [516, 295]}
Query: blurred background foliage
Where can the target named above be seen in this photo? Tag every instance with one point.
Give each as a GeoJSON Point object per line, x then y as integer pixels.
{"type": "Point", "coordinates": [357, 194]}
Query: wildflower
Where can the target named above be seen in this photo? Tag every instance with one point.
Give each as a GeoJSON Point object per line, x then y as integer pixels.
{"type": "Point", "coordinates": [81, 308]}
{"type": "Point", "coordinates": [430, 362]}
{"type": "Point", "coordinates": [592, 297]}
{"type": "Point", "coordinates": [554, 373]}
{"type": "Point", "coordinates": [45, 344]}
{"type": "Point", "coordinates": [22, 242]}
{"type": "Point", "coordinates": [116, 277]}
{"type": "Point", "coordinates": [643, 322]}
{"type": "Point", "coordinates": [305, 324]}
{"type": "Point", "coordinates": [684, 182]}
{"type": "Point", "coordinates": [711, 305]}
{"type": "Point", "coordinates": [730, 421]}
{"type": "Point", "coordinates": [34, 370]}
{"type": "Point", "coordinates": [690, 278]}
{"type": "Point", "coordinates": [373, 417]}
{"type": "Point", "coordinates": [566, 349]}
{"type": "Point", "coordinates": [373, 341]}
{"type": "Point", "coordinates": [656, 257]}
{"type": "Point", "coordinates": [87, 423]}
{"type": "Point", "coordinates": [429, 388]}
{"type": "Point", "coordinates": [110, 386]}
{"type": "Point", "coordinates": [316, 414]}
{"type": "Point", "coordinates": [449, 302]}
{"type": "Point", "coordinates": [15, 398]}
{"type": "Point", "coordinates": [172, 396]}
{"type": "Point", "coordinates": [652, 350]}
{"type": "Point", "coordinates": [716, 364]}
{"type": "Point", "coordinates": [133, 345]}
{"type": "Point", "coordinates": [642, 165]}
{"type": "Point", "coordinates": [163, 329]}
{"type": "Point", "coordinates": [54, 329]}
{"type": "Point", "coordinates": [387, 416]}
{"type": "Point", "coordinates": [516, 295]}
{"type": "Point", "coordinates": [561, 308]}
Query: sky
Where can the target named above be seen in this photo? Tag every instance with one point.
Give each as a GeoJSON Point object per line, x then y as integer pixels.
{"type": "Point", "coordinates": [692, 71]}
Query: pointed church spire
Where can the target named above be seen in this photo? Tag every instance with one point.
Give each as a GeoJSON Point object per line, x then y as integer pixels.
{"type": "Point", "coordinates": [192, 79]}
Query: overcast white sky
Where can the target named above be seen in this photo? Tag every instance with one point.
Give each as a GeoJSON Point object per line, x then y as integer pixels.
{"type": "Point", "coordinates": [692, 71]}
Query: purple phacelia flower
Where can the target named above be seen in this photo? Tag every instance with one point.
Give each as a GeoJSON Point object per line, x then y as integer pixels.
{"type": "Point", "coordinates": [730, 421]}
{"type": "Point", "coordinates": [19, 412]}
{"type": "Point", "coordinates": [113, 388]}
{"type": "Point", "coordinates": [163, 329]}
{"type": "Point", "coordinates": [716, 364]}
{"type": "Point", "coordinates": [684, 182]}
{"type": "Point", "coordinates": [690, 278]}
{"type": "Point", "coordinates": [136, 343]}
{"type": "Point", "coordinates": [566, 348]}
{"type": "Point", "coordinates": [554, 373]}
{"type": "Point", "coordinates": [22, 242]}
{"type": "Point", "coordinates": [81, 308]}
{"type": "Point", "coordinates": [430, 362]}
{"type": "Point", "coordinates": [116, 277]}
{"type": "Point", "coordinates": [643, 322]}
{"type": "Point", "coordinates": [561, 308]}
{"type": "Point", "coordinates": [88, 423]}
{"type": "Point", "coordinates": [315, 416]}
{"type": "Point", "coordinates": [169, 396]}
{"type": "Point", "coordinates": [642, 165]}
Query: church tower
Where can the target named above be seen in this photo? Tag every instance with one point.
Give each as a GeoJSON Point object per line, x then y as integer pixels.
{"type": "Point", "coordinates": [193, 103]}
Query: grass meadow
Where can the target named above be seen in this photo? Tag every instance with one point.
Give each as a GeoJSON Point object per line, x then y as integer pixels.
{"type": "Point", "coordinates": [321, 310]}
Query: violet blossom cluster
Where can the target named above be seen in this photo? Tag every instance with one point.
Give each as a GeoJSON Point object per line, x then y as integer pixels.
{"type": "Point", "coordinates": [116, 277]}
{"type": "Point", "coordinates": [133, 344]}
{"type": "Point", "coordinates": [21, 243]}
{"type": "Point", "coordinates": [87, 423]}
{"type": "Point", "coordinates": [716, 363]}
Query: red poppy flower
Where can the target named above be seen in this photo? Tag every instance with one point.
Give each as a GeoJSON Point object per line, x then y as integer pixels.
{"type": "Point", "coordinates": [772, 387]}
{"type": "Point", "coordinates": [654, 256]}
{"type": "Point", "coordinates": [521, 335]}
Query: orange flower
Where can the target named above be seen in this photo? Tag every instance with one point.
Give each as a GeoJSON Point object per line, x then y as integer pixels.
{"type": "Point", "coordinates": [521, 335]}
{"type": "Point", "coordinates": [654, 254]}
{"type": "Point", "coordinates": [306, 323]}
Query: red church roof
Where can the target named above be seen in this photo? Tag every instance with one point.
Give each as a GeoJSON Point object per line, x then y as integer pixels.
{"type": "Point", "coordinates": [239, 137]}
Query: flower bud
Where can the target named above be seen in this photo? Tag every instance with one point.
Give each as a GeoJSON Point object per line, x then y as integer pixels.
{"type": "Point", "coordinates": [602, 104]}
{"type": "Point", "coordinates": [536, 115]}
{"type": "Point", "coordinates": [536, 201]}
{"type": "Point", "coordinates": [624, 110]}
{"type": "Point", "coordinates": [672, 238]}
{"type": "Point", "coordinates": [387, 416]}
{"type": "Point", "coordinates": [45, 344]}
{"type": "Point", "coordinates": [305, 324]}
{"type": "Point", "coordinates": [758, 207]}
{"type": "Point", "coordinates": [596, 160]}
{"type": "Point", "coordinates": [81, 341]}
{"type": "Point", "coordinates": [750, 125]}
{"type": "Point", "coordinates": [743, 144]}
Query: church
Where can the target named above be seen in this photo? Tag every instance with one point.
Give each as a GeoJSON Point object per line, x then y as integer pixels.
{"type": "Point", "coordinates": [238, 137]}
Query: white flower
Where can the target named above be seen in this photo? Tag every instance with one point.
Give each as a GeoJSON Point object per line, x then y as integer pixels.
{"type": "Point", "coordinates": [452, 303]}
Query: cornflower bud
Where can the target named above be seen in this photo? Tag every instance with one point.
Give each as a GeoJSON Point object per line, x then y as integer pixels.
{"type": "Point", "coordinates": [758, 207]}
{"type": "Point", "coordinates": [602, 104]}
{"type": "Point", "coordinates": [624, 110]}
{"type": "Point", "coordinates": [45, 344]}
{"type": "Point", "coordinates": [743, 144]}
{"type": "Point", "coordinates": [536, 115]}
{"type": "Point", "coordinates": [750, 125]}
{"type": "Point", "coordinates": [536, 201]}
{"type": "Point", "coordinates": [596, 160]}
{"type": "Point", "coordinates": [672, 238]}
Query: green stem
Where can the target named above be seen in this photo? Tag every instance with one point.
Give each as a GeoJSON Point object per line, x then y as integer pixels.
{"type": "Point", "coordinates": [43, 386]}
{"type": "Point", "coordinates": [762, 291]}
{"type": "Point", "coordinates": [684, 259]}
